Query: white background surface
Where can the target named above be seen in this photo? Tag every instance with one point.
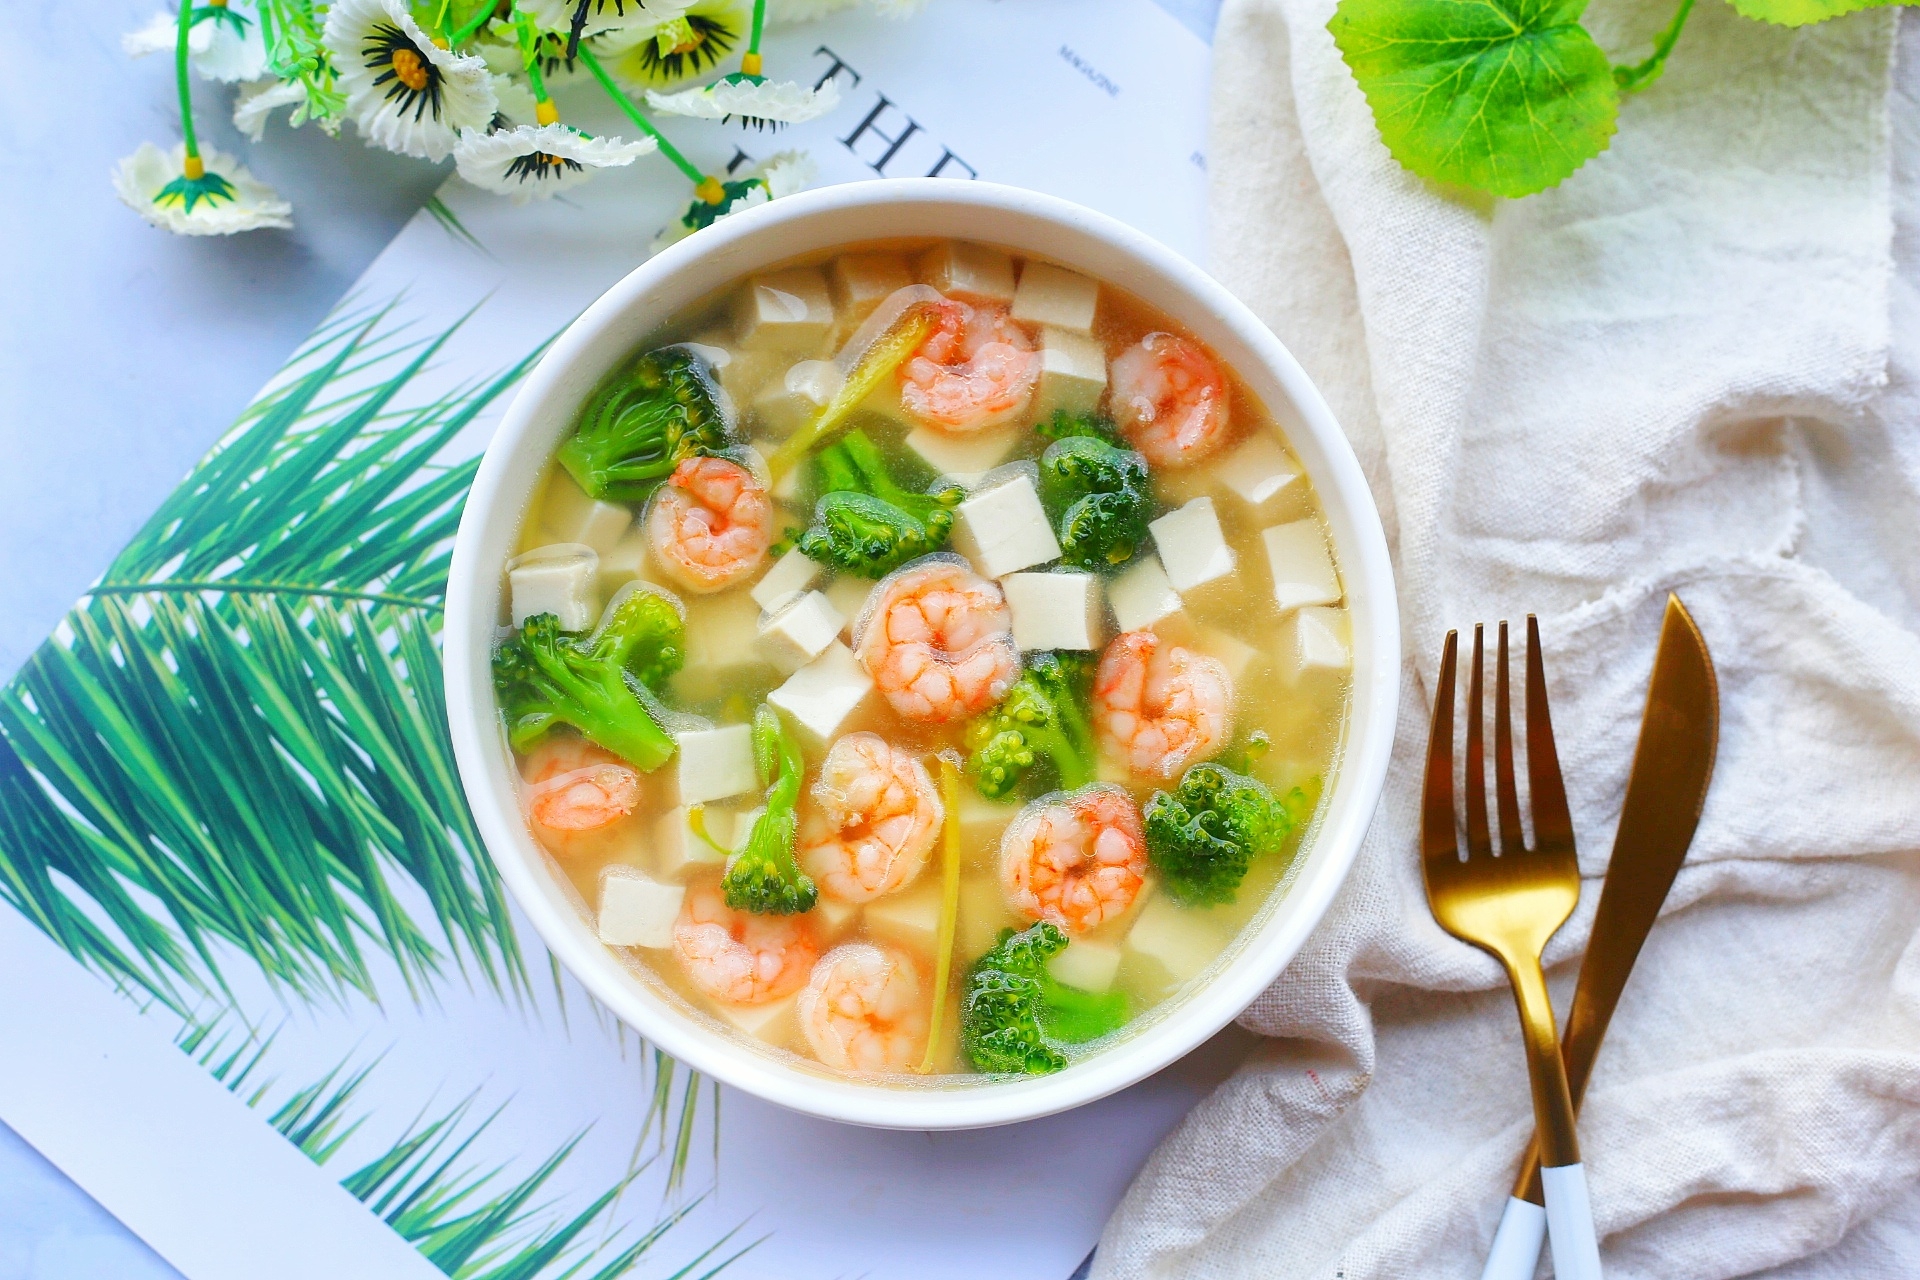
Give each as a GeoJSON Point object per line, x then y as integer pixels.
{"type": "Point", "coordinates": [125, 352]}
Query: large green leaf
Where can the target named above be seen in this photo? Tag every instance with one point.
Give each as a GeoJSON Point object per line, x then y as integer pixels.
{"type": "Point", "coordinates": [1507, 96]}
{"type": "Point", "coordinates": [1799, 13]}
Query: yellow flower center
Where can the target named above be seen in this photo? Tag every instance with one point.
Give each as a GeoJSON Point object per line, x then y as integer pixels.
{"type": "Point", "coordinates": [410, 69]}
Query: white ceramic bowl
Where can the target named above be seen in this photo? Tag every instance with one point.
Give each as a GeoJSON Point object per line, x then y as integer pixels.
{"type": "Point", "coordinates": [816, 220]}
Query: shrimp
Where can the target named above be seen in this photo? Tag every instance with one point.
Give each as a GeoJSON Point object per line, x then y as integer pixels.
{"type": "Point", "coordinates": [938, 640]}
{"type": "Point", "coordinates": [574, 788]}
{"type": "Point", "coordinates": [1075, 859]}
{"type": "Point", "coordinates": [866, 1009]}
{"type": "Point", "coordinates": [738, 957]}
{"type": "Point", "coordinates": [875, 819]}
{"type": "Point", "coordinates": [1170, 400]}
{"type": "Point", "coordinates": [1160, 705]}
{"type": "Point", "coordinates": [710, 524]}
{"type": "Point", "coordinates": [977, 369]}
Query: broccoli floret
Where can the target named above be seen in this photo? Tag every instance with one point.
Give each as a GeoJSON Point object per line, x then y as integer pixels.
{"type": "Point", "coordinates": [1064, 425]}
{"type": "Point", "coordinates": [1040, 732]}
{"type": "Point", "coordinates": [762, 876]}
{"type": "Point", "coordinates": [865, 523]}
{"type": "Point", "coordinates": [1203, 836]}
{"type": "Point", "coordinates": [546, 678]}
{"type": "Point", "coordinates": [1015, 1015]}
{"type": "Point", "coordinates": [644, 422]}
{"type": "Point", "coordinates": [1098, 498]}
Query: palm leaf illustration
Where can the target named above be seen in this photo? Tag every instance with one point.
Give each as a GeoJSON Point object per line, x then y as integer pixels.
{"type": "Point", "coordinates": [235, 746]}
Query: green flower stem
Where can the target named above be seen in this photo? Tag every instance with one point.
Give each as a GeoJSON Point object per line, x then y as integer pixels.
{"type": "Point", "coordinates": [759, 22]}
{"type": "Point", "coordinates": [474, 24]}
{"type": "Point", "coordinates": [626, 104]}
{"type": "Point", "coordinates": [1639, 76]}
{"type": "Point", "coordinates": [186, 87]}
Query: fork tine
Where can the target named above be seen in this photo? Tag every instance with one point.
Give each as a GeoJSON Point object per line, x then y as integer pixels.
{"type": "Point", "coordinates": [1552, 824]}
{"type": "Point", "coordinates": [1437, 839]}
{"type": "Point", "coordinates": [1512, 840]}
{"type": "Point", "coordinates": [1479, 840]}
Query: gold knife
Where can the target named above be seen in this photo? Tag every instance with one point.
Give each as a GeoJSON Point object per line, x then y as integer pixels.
{"type": "Point", "coordinates": [1665, 793]}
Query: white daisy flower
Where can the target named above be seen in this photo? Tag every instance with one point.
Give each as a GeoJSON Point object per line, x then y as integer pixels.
{"type": "Point", "coordinates": [259, 99]}
{"type": "Point", "coordinates": [515, 103]}
{"type": "Point", "coordinates": [405, 92]}
{"type": "Point", "coordinates": [223, 44]}
{"type": "Point", "coordinates": [603, 15]}
{"type": "Point", "coordinates": [781, 175]}
{"type": "Point", "coordinates": [758, 101]}
{"type": "Point", "coordinates": [534, 162]}
{"type": "Point", "coordinates": [689, 43]}
{"type": "Point", "coordinates": [220, 199]}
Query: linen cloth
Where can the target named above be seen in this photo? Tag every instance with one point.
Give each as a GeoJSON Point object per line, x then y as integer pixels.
{"type": "Point", "coordinates": [1691, 367]}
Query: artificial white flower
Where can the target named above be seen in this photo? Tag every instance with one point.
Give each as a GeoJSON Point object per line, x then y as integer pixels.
{"type": "Point", "coordinates": [603, 15]}
{"type": "Point", "coordinates": [533, 162]}
{"type": "Point", "coordinates": [406, 93]}
{"type": "Point", "coordinates": [689, 43]}
{"type": "Point", "coordinates": [781, 175]}
{"type": "Point", "coordinates": [259, 99]}
{"type": "Point", "coordinates": [756, 100]}
{"type": "Point", "coordinates": [224, 42]}
{"type": "Point", "coordinates": [224, 199]}
{"type": "Point", "coordinates": [515, 102]}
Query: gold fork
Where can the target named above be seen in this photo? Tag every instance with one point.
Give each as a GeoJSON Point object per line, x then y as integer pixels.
{"type": "Point", "coordinates": [1509, 905]}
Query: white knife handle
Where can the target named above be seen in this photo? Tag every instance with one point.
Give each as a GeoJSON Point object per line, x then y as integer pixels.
{"type": "Point", "coordinates": [1516, 1245]}
{"type": "Point", "coordinates": [1576, 1253]}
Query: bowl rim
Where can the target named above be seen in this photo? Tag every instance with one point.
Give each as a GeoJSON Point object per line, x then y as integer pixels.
{"type": "Point", "coordinates": [1262, 950]}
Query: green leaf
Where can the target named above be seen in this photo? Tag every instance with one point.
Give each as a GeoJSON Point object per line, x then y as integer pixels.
{"type": "Point", "coordinates": [1507, 96]}
{"type": "Point", "coordinates": [1800, 13]}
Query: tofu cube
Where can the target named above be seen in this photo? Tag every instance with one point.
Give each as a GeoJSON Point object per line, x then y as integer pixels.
{"type": "Point", "coordinates": [1303, 572]}
{"type": "Point", "coordinates": [1193, 551]}
{"type": "Point", "coordinates": [1073, 374]}
{"type": "Point", "coordinates": [1003, 528]}
{"type": "Point", "coordinates": [1181, 940]}
{"type": "Point", "coordinates": [625, 562]}
{"type": "Point", "coordinates": [786, 489]}
{"type": "Point", "coordinates": [636, 910]}
{"type": "Point", "coordinates": [721, 653]}
{"type": "Point", "coordinates": [558, 579]}
{"type": "Point", "coordinates": [821, 695]}
{"type": "Point", "coordinates": [1054, 610]}
{"type": "Point", "coordinates": [963, 459]}
{"type": "Point", "coordinates": [771, 1023]}
{"type": "Point", "coordinates": [983, 914]}
{"type": "Point", "coordinates": [862, 281]}
{"type": "Point", "coordinates": [791, 574]}
{"type": "Point", "coordinates": [1142, 595]}
{"type": "Point", "coordinates": [1258, 471]}
{"type": "Point", "coordinates": [799, 630]}
{"type": "Point", "coordinates": [849, 596]}
{"type": "Point", "coordinates": [1229, 651]}
{"type": "Point", "coordinates": [676, 852]}
{"type": "Point", "coordinates": [713, 764]}
{"type": "Point", "coordinates": [1314, 642]}
{"type": "Point", "coordinates": [1054, 296]}
{"type": "Point", "coordinates": [972, 272]}
{"type": "Point", "coordinates": [1091, 966]}
{"type": "Point", "coordinates": [833, 917]}
{"type": "Point", "coordinates": [571, 516]}
{"type": "Point", "coordinates": [911, 916]}
{"type": "Point", "coordinates": [784, 311]}
{"type": "Point", "coordinates": [787, 403]}
{"type": "Point", "coordinates": [741, 373]}
{"type": "Point", "coordinates": [981, 823]}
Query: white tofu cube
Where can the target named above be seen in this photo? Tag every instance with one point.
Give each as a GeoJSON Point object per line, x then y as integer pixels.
{"type": "Point", "coordinates": [1054, 296]}
{"type": "Point", "coordinates": [983, 914]}
{"type": "Point", "coordinates": [636, 910]}
{"type": "Point", "coordinates": [559, 579]}
{"type": "Point", "coordinates": [771, 1023]}
{"type": "Point", "coordinates": [963, 459]}
{"type": "Point", "coordinates": [1003, 528]}
{"type": "Point", "coordinates": [1073, 374]}
{"type": "Point", "coordinates": [1091, 966]}
{"type": "Point", "coordinates": [799, 630]}
{"type": "Point", "coordinates": [1192, 549]}
{"type": "Point", "coordinates": [1230, 652]}
{"type": "Point", "coordinates": [721, 653]}
{"type": "Point", "coordinates": [713, 764]}
{"type": "Point", "coordinates": [1054, 610]}
{"type": "Point", "coordinates": [784, 311]}
{"type": "Point", "coordinates": [1142, 595]}
{"type": "Point", "coordinates": [862, 281]}
{"type": "Point", "coordinates": [970, 271]}
{"type": "Point", "coordinates": [833, 917]}
{"type": "Point", "coordinates": [786, 403]}
{"type": "Point", "coordinates": [1258, 471]}
{"type": "Point", "coordinates": [791, 574]}
{"type": "Point", "coordinates": [741, 373]}
{"type": "Point", "coordinates": [982, 821]}
{"type": "Point", "coordinates": [1303, 572]}
{"type": "Point", "coordinates": [1181, 940]}
{"type": "Point", "coordinates": [676, 852]}
{"type": "Point", "coordinates": [911, 916]}
{"type": "Point", "coordinates": [571, 516]}
{"type": "Point", "coordinates": [821, 695]}
{"type": "Point", "coordinates": [1314, 642]}
{"type": "Point", "coordinates": [849, 596]}
{"type": "Point", "coordinates": [623, 563]}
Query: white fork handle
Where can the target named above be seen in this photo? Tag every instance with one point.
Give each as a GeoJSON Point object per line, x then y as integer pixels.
{"type": "Point", "coordinates": [1576, 1253]}
{"type": "Point", "coordinates": [1516, 1245]}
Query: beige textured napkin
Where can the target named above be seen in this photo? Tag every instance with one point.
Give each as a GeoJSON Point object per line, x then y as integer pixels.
{"type": "Point", "coordinates": [1675, 372]}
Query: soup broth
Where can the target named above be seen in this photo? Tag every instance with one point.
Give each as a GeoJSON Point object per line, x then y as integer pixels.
{"type": "Point", "coordinates": [924, 661]}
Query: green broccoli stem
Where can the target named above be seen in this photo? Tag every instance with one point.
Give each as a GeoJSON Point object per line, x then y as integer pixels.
{"type": "Point", "coordinates": [763, 877]}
